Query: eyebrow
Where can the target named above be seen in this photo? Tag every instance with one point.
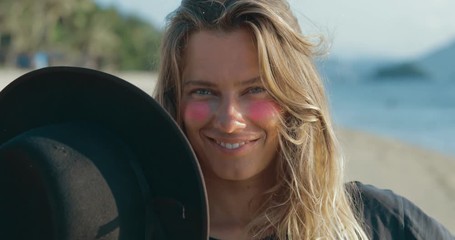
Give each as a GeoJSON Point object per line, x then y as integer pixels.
{"type": "Point", "coordinates": [198, 83]}
{"type": "Point", "coordinates": [250, 81]}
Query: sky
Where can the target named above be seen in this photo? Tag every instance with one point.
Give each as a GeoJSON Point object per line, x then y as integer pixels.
{"type": "Point", "coordinates": [399, 29]}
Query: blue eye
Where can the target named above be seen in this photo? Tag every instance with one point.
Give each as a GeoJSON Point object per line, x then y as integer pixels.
{"type": "Point", "coordinates": [256, 90]}
{"type": "Point", "coordinates": [202, 91]}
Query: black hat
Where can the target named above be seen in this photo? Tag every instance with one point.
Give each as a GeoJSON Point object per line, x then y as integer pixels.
{"type": "Point", "coordinates": [87, 155]}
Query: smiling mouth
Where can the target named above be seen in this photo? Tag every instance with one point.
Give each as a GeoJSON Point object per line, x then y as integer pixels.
{"type": "Point", "coordinates": [230, 145]}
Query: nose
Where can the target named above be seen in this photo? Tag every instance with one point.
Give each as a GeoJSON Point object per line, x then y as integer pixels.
{"type": "Point", "coordinates": [229, 116]}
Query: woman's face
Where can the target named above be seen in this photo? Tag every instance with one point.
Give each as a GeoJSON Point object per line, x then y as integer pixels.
{"type": "Point", "coordinates": [228, 116]}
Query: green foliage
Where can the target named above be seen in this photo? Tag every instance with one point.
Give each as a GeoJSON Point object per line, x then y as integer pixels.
{"type": "Point", "coordinates": [140, 45]}
{"type": "Point", "coordinates": [79, 33]}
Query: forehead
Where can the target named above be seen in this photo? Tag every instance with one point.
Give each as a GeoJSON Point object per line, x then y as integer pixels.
{"type": "Point", "coordinates": [226, 43]}
{"type": "Point", "coordinates": [220, 53]}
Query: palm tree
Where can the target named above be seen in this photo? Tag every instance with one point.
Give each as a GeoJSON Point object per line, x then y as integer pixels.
{"type": "Point", "coordinates": [31, 23]}
{"type": "Point", "coordinates": [80, 31]}
{"type": "Point", "coordinates": [89, 34]}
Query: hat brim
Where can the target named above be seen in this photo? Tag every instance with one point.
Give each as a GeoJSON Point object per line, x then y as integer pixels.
{"type": "Point", "coordinates": [57, 95]}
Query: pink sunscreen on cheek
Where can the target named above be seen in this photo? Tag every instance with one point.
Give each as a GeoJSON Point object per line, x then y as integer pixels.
{"type": "Point", "coordinates": [196, 112]}
{"type": "Point", "coordinates": [263, 110]}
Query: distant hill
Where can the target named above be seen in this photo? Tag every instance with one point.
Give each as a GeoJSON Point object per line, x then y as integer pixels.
{"type": "Point", "coordinates": [402, 71]}
{"type": "Point", "coordinates": [437, 65]}
{"type": "Point", "coordinates": [350, 70]}
{"type": "Point", "coordinates": [440, 64]}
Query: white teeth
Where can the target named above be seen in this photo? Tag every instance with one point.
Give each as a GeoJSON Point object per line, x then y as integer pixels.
{"type": "Point", "coordinates": [231, 145]}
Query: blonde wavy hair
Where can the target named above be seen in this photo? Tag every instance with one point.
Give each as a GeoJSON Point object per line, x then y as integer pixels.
{"type": "Point", "coordinates": [311, 200]}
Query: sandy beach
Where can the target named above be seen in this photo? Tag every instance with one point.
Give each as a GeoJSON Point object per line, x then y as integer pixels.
{"type": "Point", "coordinates": [425, 177]}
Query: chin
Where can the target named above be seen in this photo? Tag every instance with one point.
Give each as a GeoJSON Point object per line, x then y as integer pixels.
{"type": "Point", "coordinates": [234, 175]}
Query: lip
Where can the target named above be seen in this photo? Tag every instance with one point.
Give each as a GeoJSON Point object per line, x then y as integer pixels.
{"type": "Point", "coordinates": [244, 144]}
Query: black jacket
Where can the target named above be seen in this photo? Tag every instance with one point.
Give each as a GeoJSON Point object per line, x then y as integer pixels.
{"type": "Point", "coordinates": [389, 216]}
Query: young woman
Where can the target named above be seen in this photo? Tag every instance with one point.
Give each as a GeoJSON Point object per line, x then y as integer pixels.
{"type": "Point", "coordinates": [238, 77]}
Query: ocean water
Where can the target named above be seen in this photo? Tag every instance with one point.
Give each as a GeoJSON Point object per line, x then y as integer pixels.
{"type": "Point", "coordinates": [418, 112]}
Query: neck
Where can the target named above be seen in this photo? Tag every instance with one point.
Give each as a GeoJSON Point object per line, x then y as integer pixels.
{"type": "Point", "coordinates": [232, 204]}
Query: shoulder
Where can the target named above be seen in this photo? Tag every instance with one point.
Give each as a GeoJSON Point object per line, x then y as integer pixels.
{"type": "Point", "coordinates": [390, 216]}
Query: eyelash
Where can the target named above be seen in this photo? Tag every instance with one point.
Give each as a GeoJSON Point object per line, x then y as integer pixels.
{"type": "Point", "coordinates": [205, 91]}
{"type": "Point", "coordinates": [256, 90]}
{"type": "Point", "coordinates": [200, 90]}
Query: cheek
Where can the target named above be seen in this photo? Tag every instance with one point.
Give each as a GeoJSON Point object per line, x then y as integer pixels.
{"type": "Point", "coordinates": [195, 112]}
{"type": "Point", "coordinates": [264, 111]}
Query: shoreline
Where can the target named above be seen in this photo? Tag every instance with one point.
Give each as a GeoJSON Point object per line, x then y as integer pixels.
{"type": "Point", "coordinates": [424, 176]}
